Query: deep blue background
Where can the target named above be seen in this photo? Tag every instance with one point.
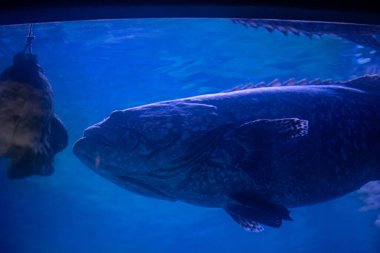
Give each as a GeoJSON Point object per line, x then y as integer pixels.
{"type": "Point", "coordinates": [97, 67]}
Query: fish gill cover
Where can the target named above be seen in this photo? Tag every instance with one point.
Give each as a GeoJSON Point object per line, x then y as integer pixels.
{"type": "Point", "coordinates": [103, 66]}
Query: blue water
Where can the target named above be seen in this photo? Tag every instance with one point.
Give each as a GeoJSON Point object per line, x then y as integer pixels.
{"type": "Point", "coordinates": [97, 67]}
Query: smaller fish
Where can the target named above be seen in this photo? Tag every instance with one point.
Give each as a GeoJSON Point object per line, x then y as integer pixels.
{"type": "Point", "coordinates": [30, 133]}
{"type": "Point", "coordinates": [364, 35]}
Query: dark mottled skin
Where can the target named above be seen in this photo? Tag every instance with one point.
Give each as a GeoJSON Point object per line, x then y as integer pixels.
{"type": "Point", "coordinates": [30, 133]}
{"type": "Point", "coordinates": [188, 149]}
{"type": "Point", "coordinates": [364, 35]}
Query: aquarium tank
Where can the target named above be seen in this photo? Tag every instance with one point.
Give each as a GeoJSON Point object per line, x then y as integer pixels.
{"type": "Point", "coordinates": [189, 135]}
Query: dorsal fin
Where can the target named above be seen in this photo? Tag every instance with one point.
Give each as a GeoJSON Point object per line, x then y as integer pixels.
{"type": "Point", "coordinates": [364, 35]}
{"type": "Point", "coordinates": [276, 83]}
{"type": "Point", "coordinates": [280, 26]}
{"type": "Point", "coordinates": [370, 83]}
{"type": "Point", "coordinates": [367, 83]}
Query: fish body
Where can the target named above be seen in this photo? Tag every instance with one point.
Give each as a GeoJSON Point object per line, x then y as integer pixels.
{"type": "Point", "coordinates": [30, 133]}
{"type": "Point", "coordinates": [254, 152]}
{"type": "Point", "coordinates": [363, 35]}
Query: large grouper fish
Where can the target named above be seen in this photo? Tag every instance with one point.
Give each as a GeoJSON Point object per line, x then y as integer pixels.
{"type": "Point", "coordinates": [30, 133]}
{"type": "Point", "coordinates": [253, 151]}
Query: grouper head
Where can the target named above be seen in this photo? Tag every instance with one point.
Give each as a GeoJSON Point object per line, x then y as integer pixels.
{"type": "Point", "coordinates": [144, 149]}
{"type": "Point", "coordinates": [132, 142]}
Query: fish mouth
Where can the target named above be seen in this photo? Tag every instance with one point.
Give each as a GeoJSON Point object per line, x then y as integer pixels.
{"type": "Point", "coordinates": [88, 151]}
{"type": "Point", "coordinates": [88, 148]}
{"type": "Point", "coordinates": [94, 152]}
{"type": "Point", "coordinates": [81, 150]}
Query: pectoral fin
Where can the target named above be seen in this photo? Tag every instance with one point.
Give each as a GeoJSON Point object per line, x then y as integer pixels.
{"type": "Point", "coordinates": [272, 130]}
{"type": "Point", "coordinates": [58, 137]}
{"type": "Point", "coordinates": [260, 138]}
{"type": "Point", "coordinates": [259, 133]}
{"type": "Point", "coordinates": [250, 211]}
{"type": "Point", "coordinates": [255, 201]}
{"type": "Point", "coordinates": [247, 224]}
{"type": "Point", "coordinates": [255, 132]}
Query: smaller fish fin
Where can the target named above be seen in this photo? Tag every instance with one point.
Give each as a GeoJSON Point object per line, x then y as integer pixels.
{"type": "Point", "coordinates": [367, 40]}
{"type": "Point", "coordinates": [247, 224]}
{"type": "Point", "coordinates": [58, 137]}
{"type": "Point", "coordinates": [367, 83]}
{"type": "Point", "coordinates": [30, 163]}
{"type": "Point", "coordinates": [361, 35]}
{"type": "Point", "coordinates": [272, 130]}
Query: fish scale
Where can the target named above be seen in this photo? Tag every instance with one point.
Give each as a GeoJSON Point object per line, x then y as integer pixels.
{"type": "Point", "coordinates": [254, 151]}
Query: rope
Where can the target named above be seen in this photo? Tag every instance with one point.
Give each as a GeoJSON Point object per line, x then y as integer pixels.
{"type": "Point", "coordinates": [29, 40]}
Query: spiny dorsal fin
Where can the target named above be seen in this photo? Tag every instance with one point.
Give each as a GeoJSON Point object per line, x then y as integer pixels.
{"type": "Point", "coordinates": [276, 83]}
{"type": "Point", "coordinates": [369, 83]}
{"type": "Point", "coordinates": [275, 25]}
{"type": "Point", "coordinates": [364, 35]}
{"type": "Point", "coordinates": [247, 224]}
